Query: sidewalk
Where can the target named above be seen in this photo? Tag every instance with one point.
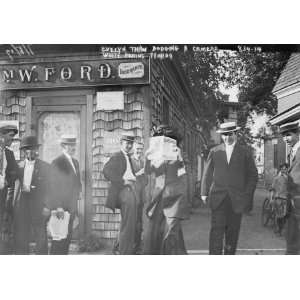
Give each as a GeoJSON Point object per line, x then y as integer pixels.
{"type": "Point", "coordinates": [254, 238]}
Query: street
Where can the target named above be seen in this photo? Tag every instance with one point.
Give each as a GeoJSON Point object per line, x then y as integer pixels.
{"type": "Point", "coordinates": [254, 238]}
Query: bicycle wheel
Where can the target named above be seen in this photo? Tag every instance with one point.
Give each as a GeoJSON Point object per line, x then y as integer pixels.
{"type": "Point", "coordinates": [267, 213]}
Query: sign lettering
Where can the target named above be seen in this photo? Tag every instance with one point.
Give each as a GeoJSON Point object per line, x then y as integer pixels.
{"type": "Point", "coordinates": [93, 72]}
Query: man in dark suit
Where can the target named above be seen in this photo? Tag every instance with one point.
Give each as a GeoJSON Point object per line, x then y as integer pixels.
{"type": "Point", "coordinates": [30, 200]}
{"type": "Point", "coordinates": [138, 165]}
{"type": "Point", "coordinates": [290, 133]}
{"type": "Point", "coordinates": [122, 193]}
{"type": "Point", "coordinates": [229, 180]}
{"type": "Point", "coordinates": [65, 190]}
{"type": "Point", "coordinates": [9, 172]}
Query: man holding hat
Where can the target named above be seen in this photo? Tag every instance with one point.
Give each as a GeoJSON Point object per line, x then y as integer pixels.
{"type": "Point", "coordinates": [290, 133]}
{"type": "Point", "coordinates": [122, 193]}
{"type": "Point", "coordinates": [30, 200]}
{"type": "Point", "coordinates": [229, 181]}
{"type": "Point", "coordinates": [8, 175]}
{"type": "Point", "coordinates": [65, 190]}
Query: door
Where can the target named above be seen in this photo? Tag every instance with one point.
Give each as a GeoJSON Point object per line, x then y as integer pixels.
{"type": "Point", "coordinates": [51, 118]}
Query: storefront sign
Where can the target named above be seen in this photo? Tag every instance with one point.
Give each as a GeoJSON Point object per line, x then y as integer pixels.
{"type": "Point", "coordinates": [74, 73]}
{"type": "Point", "coordinates": [131, 70]}
{"type": "Point", "coordinates": [110, 101]}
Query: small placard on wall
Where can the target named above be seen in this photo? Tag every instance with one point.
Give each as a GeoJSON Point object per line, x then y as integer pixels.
{"type": "Point", "coordinates": [110, 101]}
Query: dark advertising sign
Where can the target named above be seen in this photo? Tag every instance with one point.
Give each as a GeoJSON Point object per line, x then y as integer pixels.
{"type": "Point", "coordinates": [74, 73]}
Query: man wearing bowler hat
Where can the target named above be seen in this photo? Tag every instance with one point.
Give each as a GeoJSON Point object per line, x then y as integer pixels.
{"type": "Point", "coordinates": [290, 133]}
{"type": "Point", "coordinates": [229, 180]}
{"type": "Point", "coordinates": [65, 190]}
{"type": "Point", "coordinates": [8, 175]}
{"type": "Point", "coordinates": [31, 213]}
{"type": "Point", "coordinates": [122, 194]}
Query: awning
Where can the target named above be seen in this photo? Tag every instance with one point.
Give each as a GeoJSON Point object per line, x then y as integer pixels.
{"type": "Point", "coordinates": [289, 115]}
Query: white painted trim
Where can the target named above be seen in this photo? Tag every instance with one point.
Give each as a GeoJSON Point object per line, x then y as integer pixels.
{"type": "Point", "coordinates": [284, 116]}
{"type": "Point", "coordinates": [293, 89]}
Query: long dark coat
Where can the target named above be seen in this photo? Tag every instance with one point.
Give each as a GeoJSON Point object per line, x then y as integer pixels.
{"type": "Point", "coordinates": [294, 183]}
{"type": "Point", "coordinates": [113, 171]}
{"type": "Point", "coordinates": [6, 203]}
{"type": "Point", "coordinates": [237, 179]}
{"type": "Point", "coordinates": [28, 211]}
{"type": "Point", "coordinates": [65, 184]}
{"type": "Point", "coordinates": [174, 192]}
{"type": "Point", "coordinates": [39, 190]}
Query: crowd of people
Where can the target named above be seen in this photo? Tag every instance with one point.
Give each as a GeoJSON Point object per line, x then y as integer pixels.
{"type": "Point", "coordinates": [149, 190]}
{"type": "Point", "coordinates": [229, 181]}
{"type": "Point", "coordinates": [34, 193]}
{"type": "Point", "coordinates": [228, 184]}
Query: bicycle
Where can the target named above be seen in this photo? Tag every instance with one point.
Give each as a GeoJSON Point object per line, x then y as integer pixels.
{"type": "Point", "coordinates": [273, 214]}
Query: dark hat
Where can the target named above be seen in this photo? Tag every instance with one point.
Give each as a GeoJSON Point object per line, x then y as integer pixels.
{"type": "Point", "coordinates": [68, 139]}
{"type": "Point", "coordinates": [4, 127]}
{"type": "Point", "coordinates": [228, 127]}
{"type": "Point", "coordinates": [129, 138]}
{"type": "Point", "coordinates": [29, 141]}
{"type": "Point", "coordinates": [289, 127]}
{"type": "Point", "coordinates": [168, 131]}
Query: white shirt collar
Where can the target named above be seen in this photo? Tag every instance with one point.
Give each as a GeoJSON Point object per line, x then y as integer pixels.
{"type": "Point", "coordinates": [29, 162]}
{"type": "Point", "coordinates": [69, 157]}
{"type": "Point", "coordinates": [125, 153]}
{"type": "Point", "coordinates": [230, 146]}
{"type": "Point", "coordinates": [295, 148]}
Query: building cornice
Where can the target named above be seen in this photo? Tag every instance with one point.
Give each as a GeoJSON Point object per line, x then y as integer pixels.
{"type": "Point", "coordinates": [287, 91]}
{"type": "Point", "coordinates": [284, 116]}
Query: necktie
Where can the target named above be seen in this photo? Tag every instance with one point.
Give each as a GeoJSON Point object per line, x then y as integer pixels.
{"type": "Point", "coordinates": [2, 154]}
{"type": "Point", "coordinates": [73, 165]}
{"type": "Point", "coordinates": [130, 162]}
{"type": "Point", "coordinates": [1, 161]}
{"type": "Point", "coordinates": [291, 157]}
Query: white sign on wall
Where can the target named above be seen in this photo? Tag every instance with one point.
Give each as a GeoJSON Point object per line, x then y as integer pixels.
{"type": "Point", "coordinates": [131, 70]}
{"type": "Point", "coordinates": [110, 101]}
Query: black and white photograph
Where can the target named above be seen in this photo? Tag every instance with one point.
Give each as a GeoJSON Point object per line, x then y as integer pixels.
{"type": "Point", "coordinates": [150, 149]}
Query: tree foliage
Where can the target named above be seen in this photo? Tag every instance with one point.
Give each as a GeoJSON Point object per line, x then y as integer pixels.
{"type": "Point", "coordinates": [254, 73]}
{"type": "Point", "coordinates": [205, 70]}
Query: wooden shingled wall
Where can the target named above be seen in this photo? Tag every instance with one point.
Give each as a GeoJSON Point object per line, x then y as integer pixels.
{"type": "Point", "coordinates": [14, 108]}
{"type": "Point", "coordinates": [106, 223]}
{"type": "Point", "coordinates": [164, 89]}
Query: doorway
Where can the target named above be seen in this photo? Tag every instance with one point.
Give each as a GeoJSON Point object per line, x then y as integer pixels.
{"type": "Point", "coordinates": [51, 117]}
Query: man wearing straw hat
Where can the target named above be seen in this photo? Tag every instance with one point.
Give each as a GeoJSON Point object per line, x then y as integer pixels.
{"type": "Point", "coordinates": [229, 180]}
{"type": "Point", "coordinates": [290, 133]}
{"type": "Point", "coordinates": [65, 190]}
{"type": "Point", "coordinates": [8, 175]}
{"type": "Point", "coordinates": [122, 194]}
{"type": "Point", "coordinates": [30, 197]}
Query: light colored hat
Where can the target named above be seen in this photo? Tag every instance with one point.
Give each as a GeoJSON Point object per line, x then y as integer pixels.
{"type": "Point", "coordinates": [68, 139]}
{"type": "Point", "coordinates": [228, 127]}
{"type": "Point", "coordinates": [4, 127]}
{"type": "Point", "coordinates": [126, 137]}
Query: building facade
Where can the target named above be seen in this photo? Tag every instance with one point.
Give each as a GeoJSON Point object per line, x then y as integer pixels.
{"type": "Point", "coordinates": [52, 90]}
{"type": "Point", "coordinates": [287, 91]}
